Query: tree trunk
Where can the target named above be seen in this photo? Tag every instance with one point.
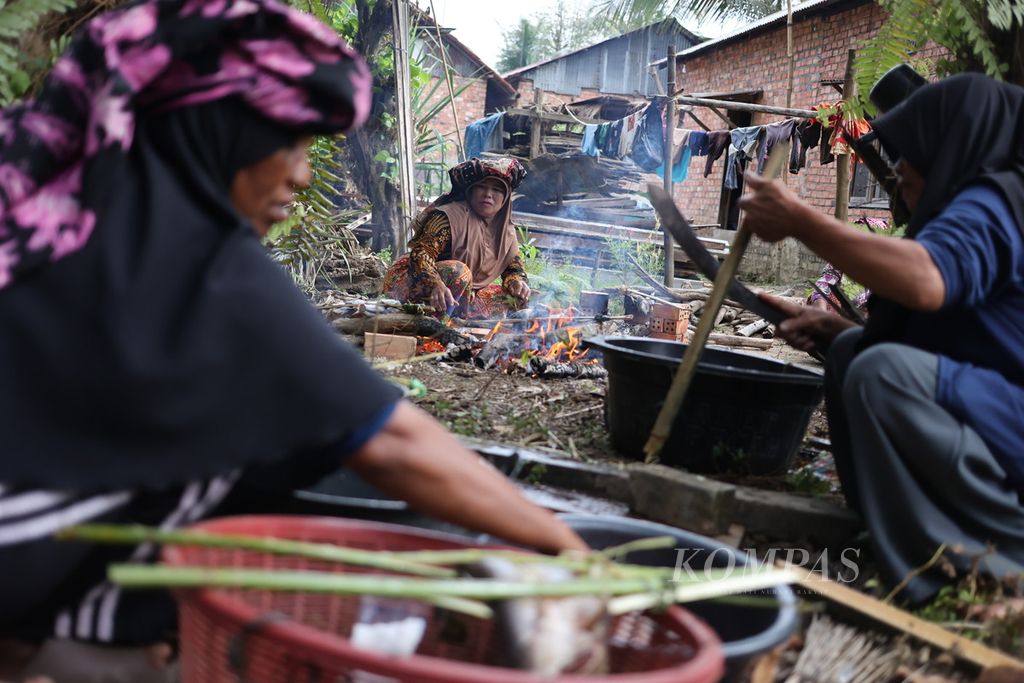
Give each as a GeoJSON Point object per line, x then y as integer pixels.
{"type": "Point", "coordinates": [372, 170]}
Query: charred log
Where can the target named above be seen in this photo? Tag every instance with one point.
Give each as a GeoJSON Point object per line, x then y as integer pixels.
{"type": "Point", "coordinates": [402, 323]}
{"type": "Point", "coordinates": [551, 369]}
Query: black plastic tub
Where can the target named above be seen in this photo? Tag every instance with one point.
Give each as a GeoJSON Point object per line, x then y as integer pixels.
{"type": "Point", "coordinates": [746, 632]}
{"type": "Point", "coordinates": [743, 413]}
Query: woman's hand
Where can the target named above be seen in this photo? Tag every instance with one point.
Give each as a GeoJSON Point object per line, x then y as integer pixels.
{"type": "Point", "coordinates": [773, 212]}
{"type": "Point", "coordinates": [442, 299]}
{"type": "Point", "coordinates": [807, 326]}
{"type": "Point", "coordinates": [519, 289]}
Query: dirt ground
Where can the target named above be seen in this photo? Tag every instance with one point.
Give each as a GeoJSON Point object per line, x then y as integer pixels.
{"type": "Point", "coordinates": [558, 416]}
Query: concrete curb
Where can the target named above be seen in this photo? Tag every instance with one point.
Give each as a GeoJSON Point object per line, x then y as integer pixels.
{"type": "Point", "coordinates": [687, 500]}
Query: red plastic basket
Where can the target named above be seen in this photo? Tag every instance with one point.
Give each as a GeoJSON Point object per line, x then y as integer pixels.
{"type": "Point", "coordinates": [259, 636]}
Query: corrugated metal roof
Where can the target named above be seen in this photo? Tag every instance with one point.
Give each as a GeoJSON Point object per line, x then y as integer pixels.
{"type": "Point", "coordinates": [617, 65]}
{"type": "Point", "coordinates": [761, 24]}
{"type": "Point", "coordinates": [693, 37]}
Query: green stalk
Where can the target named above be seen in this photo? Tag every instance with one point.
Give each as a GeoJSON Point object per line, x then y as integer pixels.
{"type": "Point", "coordinates": [157, 576]}
{"type": "Point", "coordinates": [135, 534]}
{"type": "Point", "coordinates": [722, 586]}
{"type": "Point", "coordinates": [652, 592]}
{"type": "Point", "coordinates": [653, 543]}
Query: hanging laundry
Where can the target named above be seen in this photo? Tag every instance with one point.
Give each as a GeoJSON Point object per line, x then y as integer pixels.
{"type": "Point", "coordinates": [589, 144]}
{"type": "Point", "coordinates": [844, 132]}
{"type": "Point", "coordinates": [680, 160]}
{"type": "Point", "coordinates": [775, 133]}
{"type": "Point", "coordinates": [485, 135]}
{"type": "Point", "coordinates": [610, 148]}
{"type": "Point", "coordinates": [700, 141]}
{"type": "Point", "coordinates": [808, 133]}
{"type": "Point", "coordinates": [718, 142]}
{"type": "Point", "coordinates": [629, 129]}
{"type": "Point", "coordinates": [746, 144]}
{"type": "Point", "coordinates": [649, 143]}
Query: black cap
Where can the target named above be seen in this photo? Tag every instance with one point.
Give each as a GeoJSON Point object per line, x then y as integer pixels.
{"type": "Point", "coordinates": [895, 86]}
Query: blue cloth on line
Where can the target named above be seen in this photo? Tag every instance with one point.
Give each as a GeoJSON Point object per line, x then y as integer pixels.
{"type": "Point", "coordinates": [746, 144]}
{"type": "Point", "coordinates": [484, 135]}
{"type": "Point", "coordinates": [700, 143]}
{"type": "Point", "coordinates": [681, 167]}
{"type": "Point", "coordinates": [589, 144]}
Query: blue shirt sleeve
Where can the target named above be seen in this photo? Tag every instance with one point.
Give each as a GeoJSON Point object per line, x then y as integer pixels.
{"type": "Point", "coordinates": [976, 246]}
{"type": "Point", "coordinates": [357, 439]}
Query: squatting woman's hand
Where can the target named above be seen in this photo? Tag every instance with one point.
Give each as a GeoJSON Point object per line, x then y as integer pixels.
{"type": "Point", "coordinates": [519, 289]}
{"type": "Point", "coordinates": [441, 299]}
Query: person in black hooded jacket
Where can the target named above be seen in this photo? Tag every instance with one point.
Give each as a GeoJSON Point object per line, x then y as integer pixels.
{"type": "Point", "coordinates": [925, 404]}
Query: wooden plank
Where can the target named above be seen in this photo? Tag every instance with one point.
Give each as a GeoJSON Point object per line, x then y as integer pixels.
{"type": "Point", "coordinates": [893, 617]}
{"type": "Point", "coordinates": [744, 106]}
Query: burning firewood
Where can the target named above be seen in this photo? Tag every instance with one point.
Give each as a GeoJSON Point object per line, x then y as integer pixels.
{"type": "Point", "coordinates": [550, 369]}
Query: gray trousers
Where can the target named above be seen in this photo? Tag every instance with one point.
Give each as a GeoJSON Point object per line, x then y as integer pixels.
{"type": "Point", "coordinates": [918, 476]}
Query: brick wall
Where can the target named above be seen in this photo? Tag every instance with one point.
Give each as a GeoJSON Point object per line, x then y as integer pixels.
{"type": "Point", "coordinates": [470, 104]}
{"type": "Point", "coordinates": [526, 95]}
{"type": "Point", "coordinates": [759, 63]}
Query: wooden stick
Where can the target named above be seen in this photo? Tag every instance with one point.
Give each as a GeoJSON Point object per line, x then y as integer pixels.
{"type": "Point", "coordinates": [448, 78]}
{"type": "Point", "coordinates": [967, 650]}
{"type": "Point", "coordinates": [688, 366]}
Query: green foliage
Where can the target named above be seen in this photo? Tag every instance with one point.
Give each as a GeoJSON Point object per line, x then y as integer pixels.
{"type": "Point", "coordinates": [980, 36]}
{"type": "Point", "coordinates": [636, 13]}
{"type": "Point", "coordinates": [804, 480]}
{"type": "Point", "coordinates": [650, 257]}
{"type": "Point", "coordinates": [568, 25]}
{"type": "Point", "coordinates": [21, 68]}
{"type": "Point", "coordinates": [528, 252]}
{"type": "Point", "coordinates": [522, 46]}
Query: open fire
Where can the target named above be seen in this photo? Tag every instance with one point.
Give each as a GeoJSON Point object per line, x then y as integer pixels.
{"type": "Point", "coordinates": [543, 343]}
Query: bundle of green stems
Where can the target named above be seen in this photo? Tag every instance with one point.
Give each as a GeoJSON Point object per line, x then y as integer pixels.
{"type": "Point", "coordinates": [432, 575]}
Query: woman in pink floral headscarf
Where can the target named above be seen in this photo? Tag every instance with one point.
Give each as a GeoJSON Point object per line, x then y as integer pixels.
{"type": "Point", "coordinates": [153, 355]}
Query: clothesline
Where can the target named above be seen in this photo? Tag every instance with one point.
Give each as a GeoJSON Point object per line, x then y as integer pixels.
{"type": "Point", "coordinates": [745, 144]}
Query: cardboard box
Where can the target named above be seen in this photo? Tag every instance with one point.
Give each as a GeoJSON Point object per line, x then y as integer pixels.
{"type": "Point", "coordinates": [390, 346]}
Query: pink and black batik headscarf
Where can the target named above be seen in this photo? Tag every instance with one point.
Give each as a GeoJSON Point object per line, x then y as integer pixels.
{"type": "Point", "coordinates": [146, 338]}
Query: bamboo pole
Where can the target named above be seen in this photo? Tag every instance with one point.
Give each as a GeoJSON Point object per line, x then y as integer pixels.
{"type": "Point", "coordinates": [404, 116]}
{"type": "Point", "coordinates": [843, 160]}
{"type": "Point", "coordinates": [789, 52]}
{"type": "Point", "coordinates": [451, 88]}
{"type": "Point", "coordinates": [746, 106]}
{"type": "Point", "coordinates": [670, 129]}
{"type": "Point", "coordinates": [688, 366]}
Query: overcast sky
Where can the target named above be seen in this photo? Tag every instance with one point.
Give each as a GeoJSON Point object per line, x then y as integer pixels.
{"type": "Point", "coordinates": [479, 25]}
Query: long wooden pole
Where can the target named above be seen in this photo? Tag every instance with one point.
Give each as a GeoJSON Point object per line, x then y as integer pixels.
{"type": "Point", "coordinates": [406, 135]}
{"type": "Point", "coordinates": [451, 88]}
{"type": "Point", "coordinates": [789, 52]}
{"type": "Point", "coordinates": [688, 366]}
{"type": "Point", "coordinates": [746, 106]}
{"type": "Point", "coordinates": [670, 129]}
{"type": "Point", "coordinates": [843, 160]}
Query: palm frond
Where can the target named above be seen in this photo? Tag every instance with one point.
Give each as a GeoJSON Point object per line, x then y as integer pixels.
{"type": "Point", "coordinates": [19, 69]}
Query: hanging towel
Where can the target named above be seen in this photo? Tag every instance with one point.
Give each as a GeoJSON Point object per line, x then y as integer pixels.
{"type": "Point", "coordinates": [485, 135]}
{"type": "Point", "coordinates": [589, 144]}
{"type": "Point", "coordinates": [680, 160]}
